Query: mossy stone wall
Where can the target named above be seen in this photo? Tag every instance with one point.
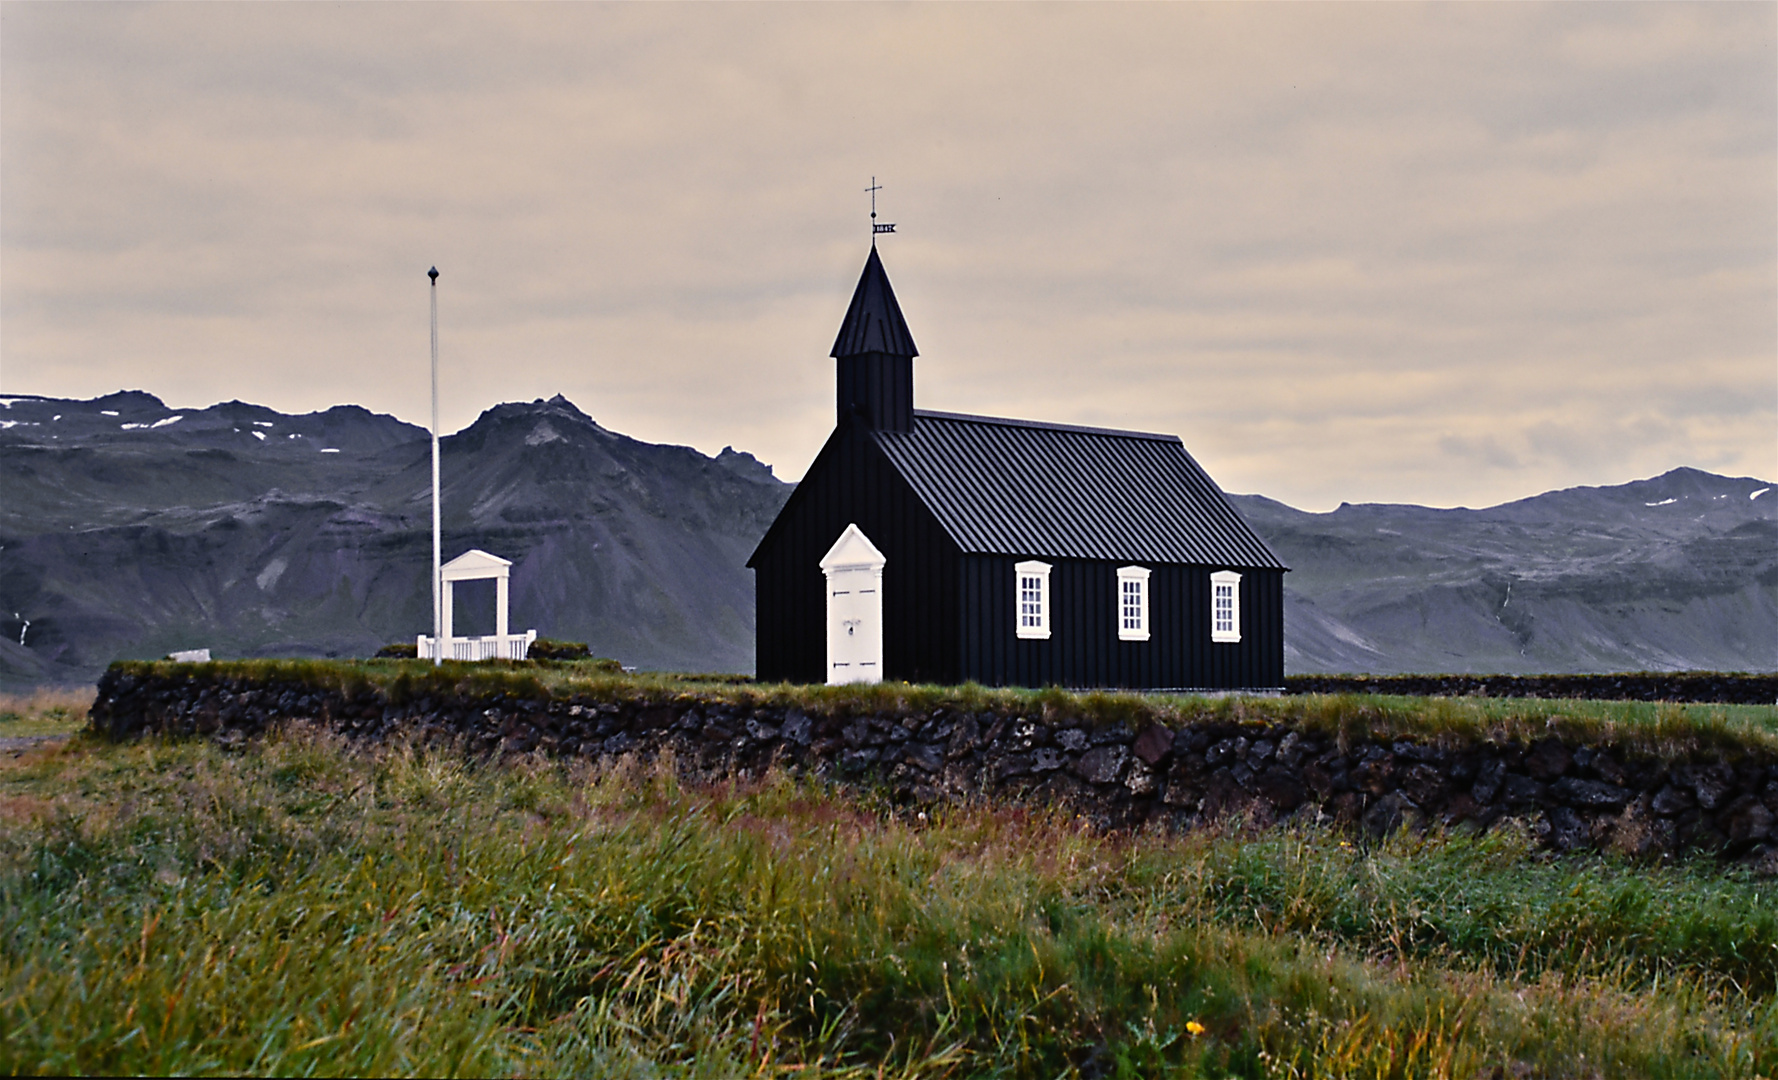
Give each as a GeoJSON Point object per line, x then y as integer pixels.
{"type": "Point", "coordinates": [1570, 794]}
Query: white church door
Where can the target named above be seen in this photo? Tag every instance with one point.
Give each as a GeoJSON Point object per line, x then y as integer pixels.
{"type": "Point", "coordinates": [854, 569]}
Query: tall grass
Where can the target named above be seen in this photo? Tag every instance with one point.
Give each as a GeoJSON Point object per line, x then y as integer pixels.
{"type": "Point", "coordinates": [44, 711]}
{"type": "Point", "coordinates": [305, 906]}
{"type": "Point", "coordinates": [1495, 902]}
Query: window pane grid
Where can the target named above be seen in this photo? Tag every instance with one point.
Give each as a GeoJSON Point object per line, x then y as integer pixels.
{"type": "Point", "coordinates": [1132, 605]}
{"type": "Point", "coordinates": [1030, 601]}
{"type": "Point", "coordinates": [1129, 610]}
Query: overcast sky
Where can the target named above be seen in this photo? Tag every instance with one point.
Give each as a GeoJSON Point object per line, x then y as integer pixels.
{"type": "Point", "coordinates": [1448, 254]}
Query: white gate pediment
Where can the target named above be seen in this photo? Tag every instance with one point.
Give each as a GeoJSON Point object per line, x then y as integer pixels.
{"type": "Point", "coordinates": [475, 565]}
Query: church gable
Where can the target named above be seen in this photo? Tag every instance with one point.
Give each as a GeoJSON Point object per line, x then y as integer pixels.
{"type": "Point", "coordinates": [850, 480]}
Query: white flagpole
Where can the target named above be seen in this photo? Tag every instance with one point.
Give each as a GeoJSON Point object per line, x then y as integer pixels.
{"type": "Point", "coordinates": [437, 589]}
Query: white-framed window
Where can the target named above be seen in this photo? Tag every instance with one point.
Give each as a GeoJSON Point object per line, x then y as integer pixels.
{"type": "Point", "coordinates": [1032, 593]}
{"type": "Point", "coordinates": [1132, 603]}
{"type": "Point", "coordinates": [1225, 606]}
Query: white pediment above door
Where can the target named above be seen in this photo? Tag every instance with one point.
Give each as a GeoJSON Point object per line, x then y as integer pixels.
{"type": "Point", "coordinates": [853, 551]}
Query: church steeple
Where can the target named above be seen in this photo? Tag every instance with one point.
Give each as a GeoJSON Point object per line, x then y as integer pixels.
{"type": "Point", "coordinates": [873, 321]}
{"type": "Point", "coordinates": [875, 354]}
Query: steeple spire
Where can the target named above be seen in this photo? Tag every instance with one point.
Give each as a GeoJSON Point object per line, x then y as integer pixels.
{"type": "Point", "coordinates": [873, 321]}
{"type": "Point", "coordinates": [874, 354]}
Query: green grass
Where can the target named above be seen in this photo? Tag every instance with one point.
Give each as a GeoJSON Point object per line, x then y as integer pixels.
{"type": "Point", "coordinates": [307, 906]}
{"type": "Point", "coordinates": [1659, 728]}
{"type": "Point", "coordinates": [51, 712]}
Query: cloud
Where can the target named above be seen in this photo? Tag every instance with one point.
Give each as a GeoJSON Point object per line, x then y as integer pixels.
{"type": "Point", "coordinates": [1444, 254]}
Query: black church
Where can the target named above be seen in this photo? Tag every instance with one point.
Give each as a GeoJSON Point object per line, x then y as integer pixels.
{"type": "Point", "coordinates": [941, 547]}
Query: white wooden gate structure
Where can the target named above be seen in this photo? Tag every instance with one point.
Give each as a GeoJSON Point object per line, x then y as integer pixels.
{"type": "Point", "coordinates": [477, 565]}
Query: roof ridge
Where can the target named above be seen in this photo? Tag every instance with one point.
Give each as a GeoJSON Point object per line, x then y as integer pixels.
{"type": "Point", "coordinates": [974, 418]}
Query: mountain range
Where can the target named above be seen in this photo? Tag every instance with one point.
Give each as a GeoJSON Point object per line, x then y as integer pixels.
{"type": "Point", "coordinates": [1674, 573]}
{"type": "Point", "coordinates": [130, 529]}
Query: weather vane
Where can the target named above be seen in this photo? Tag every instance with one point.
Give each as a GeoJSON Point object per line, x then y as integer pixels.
{"type": "Point", "coordinates": [875, 229]}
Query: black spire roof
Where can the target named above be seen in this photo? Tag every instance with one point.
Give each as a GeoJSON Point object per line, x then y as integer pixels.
{"type": "Point", "coordinates": [873, 321]}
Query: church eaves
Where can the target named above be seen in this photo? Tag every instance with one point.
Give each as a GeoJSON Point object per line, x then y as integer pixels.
{"type": "Point", "coordinates": [873, 321]}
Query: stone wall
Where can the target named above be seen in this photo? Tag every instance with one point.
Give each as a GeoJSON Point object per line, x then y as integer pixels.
{"type": "Point", "coordinates": [1569, 794]}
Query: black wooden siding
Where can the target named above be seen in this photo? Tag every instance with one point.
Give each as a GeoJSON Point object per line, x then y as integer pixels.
{"type": "Point", "coordinates": [949, 615]}
{"type": "Point", "coordinates": [851, 482]}
{"type": "Point", "coordinates": [879, 387]}
{"type": "Point", "coordinates": [1083, 649]}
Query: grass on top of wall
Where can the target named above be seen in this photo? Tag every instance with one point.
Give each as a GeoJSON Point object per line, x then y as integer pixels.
{"type": "Point", "coordinates": [303, 906]}
{"type": "Point", "coordinates": [1654, 727]}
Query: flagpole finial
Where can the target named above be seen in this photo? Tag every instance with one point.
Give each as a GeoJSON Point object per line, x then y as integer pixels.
{"type": "Point", "coordinates": [433, 274]}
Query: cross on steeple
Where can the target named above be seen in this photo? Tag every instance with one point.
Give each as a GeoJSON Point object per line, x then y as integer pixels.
{"type": "Point", "coordinates": [874, 227]}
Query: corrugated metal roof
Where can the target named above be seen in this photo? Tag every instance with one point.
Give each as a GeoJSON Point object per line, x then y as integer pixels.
{"type": "Point", "coordinates": [1016, 487]}
{"type": "Point", "coordinates": [873, 321]}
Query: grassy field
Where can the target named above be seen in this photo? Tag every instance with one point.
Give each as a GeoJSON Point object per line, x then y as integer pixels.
{"type": "Point", "coordinates": [304, 906]}
{"type": "Point", "coordinates": [51, 712]}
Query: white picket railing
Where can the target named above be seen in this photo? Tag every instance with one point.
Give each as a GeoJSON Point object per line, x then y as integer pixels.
{"type": "Point", "coordinates": [491, 647]}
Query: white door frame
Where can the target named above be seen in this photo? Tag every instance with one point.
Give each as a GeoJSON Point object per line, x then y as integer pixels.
{"type": "Point", "coordinates": [854, 572]}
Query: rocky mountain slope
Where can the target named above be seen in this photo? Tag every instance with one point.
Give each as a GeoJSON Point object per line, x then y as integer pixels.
{"type": "Point", "coordinates": [1673, 573]}
{"type": "Point", "coordinates": [128, 529]}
